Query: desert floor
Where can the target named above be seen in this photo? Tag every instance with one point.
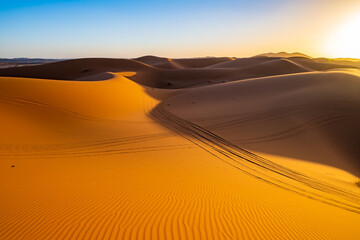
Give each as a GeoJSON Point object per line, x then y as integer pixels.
{"type": "Point", "coordinates": [158, 148]}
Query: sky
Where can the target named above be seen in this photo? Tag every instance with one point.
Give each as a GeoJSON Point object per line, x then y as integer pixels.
{"type": "Point", "coordinates": [187, 28]}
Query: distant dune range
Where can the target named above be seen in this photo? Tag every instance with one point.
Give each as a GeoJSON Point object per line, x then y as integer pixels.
{"type": "Point", "coordinates": [265, 147]}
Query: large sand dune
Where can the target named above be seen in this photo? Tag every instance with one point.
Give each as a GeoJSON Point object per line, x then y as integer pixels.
{"type": "Point", "coordinates": [154, 148]}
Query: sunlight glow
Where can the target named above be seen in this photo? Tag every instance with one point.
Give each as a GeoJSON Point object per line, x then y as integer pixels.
{"type": "Point", "coordinates": [345, 41]}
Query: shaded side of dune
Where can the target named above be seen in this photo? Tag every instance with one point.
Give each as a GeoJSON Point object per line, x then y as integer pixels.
{"type": "Point", "coordinates": [169, 63]}
{"type": "Point", "coordinates": [282, 114]}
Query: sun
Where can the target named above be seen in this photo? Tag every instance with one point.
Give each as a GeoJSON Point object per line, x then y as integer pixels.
{"type": "Point", "coordinates": [345, 41]}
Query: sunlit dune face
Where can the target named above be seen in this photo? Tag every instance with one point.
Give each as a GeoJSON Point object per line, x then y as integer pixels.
{"type": "Point", "coordinates": [128, 74]}
{"type": "Point", "coordinates": [345, 41]}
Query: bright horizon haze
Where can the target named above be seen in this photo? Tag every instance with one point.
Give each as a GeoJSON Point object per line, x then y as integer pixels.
{"type": "Point", "coordinates": [87, 28]}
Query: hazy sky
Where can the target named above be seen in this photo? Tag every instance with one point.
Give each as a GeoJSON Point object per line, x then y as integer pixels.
{"type": "Point", "coordinates": [187, 28]}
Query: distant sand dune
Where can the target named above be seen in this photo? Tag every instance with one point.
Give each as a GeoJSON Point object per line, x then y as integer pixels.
{"type": "Point", "coordinates": [241, 62]}
{"type": "Point", "coordinates": [182, 72]}
{"type": "Point", "coordinates": [168, 63]}
{"type": "Point", "coordinates": [73, 69]}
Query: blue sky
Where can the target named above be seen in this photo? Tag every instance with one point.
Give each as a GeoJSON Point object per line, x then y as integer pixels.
{"type": "Point", "coordinates": [87, 28]}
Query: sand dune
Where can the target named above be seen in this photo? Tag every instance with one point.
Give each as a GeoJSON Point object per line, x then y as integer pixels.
{"type": "Point", "coordinates": [241, 62]}
{"type": "Point", "coordinates": [168, 63]}
{"type": "Point", "coordinates": [214, 148]}
{"type": "Point", "coordinates": [74, 69]}
{"type": "Point", "coordinates": [194, 77]}
{"type": "Point", "coordinates": [319, 66]}
{"type": "Point", "coordinates": [342, 61]}
{"type": "Point", "coordinates": [263, 106]}
{"type": "Point", "coordinates": [283, 55]}
{"type": "Point", "coordinates": [188, 73]}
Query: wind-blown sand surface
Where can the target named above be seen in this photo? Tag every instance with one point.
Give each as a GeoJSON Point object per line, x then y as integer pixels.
{"type": "Point", "coordinates": [157, 148]}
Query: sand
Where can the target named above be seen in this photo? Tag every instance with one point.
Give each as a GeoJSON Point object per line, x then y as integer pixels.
{"type": "Point", "coordinates": [158, 148]}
